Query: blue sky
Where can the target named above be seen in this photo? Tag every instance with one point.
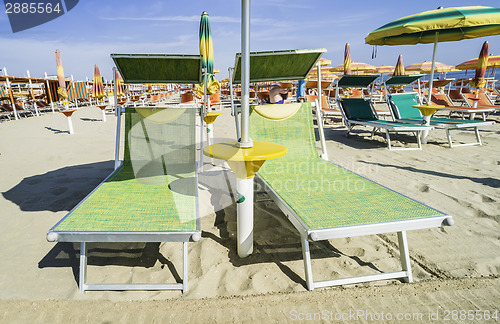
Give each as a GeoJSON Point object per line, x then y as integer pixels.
{"type": "Point", "coordinates": [89, 33]}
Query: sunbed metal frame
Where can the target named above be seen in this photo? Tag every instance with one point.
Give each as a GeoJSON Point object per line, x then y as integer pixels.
{"type": "Point", "coordinates": [312, 235]}
{"type": "Point", "coordinates": [447, 123]}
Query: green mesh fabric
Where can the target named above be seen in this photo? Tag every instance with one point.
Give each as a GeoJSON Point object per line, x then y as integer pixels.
{"type": "Point", "coordinates": [155, 188]}
{"type": "Point", "coordinates": [322, 194]}
{"type": "Point", "coordinates": [357, 109]}
{"type": "Point", "coordinates": [403, 105]}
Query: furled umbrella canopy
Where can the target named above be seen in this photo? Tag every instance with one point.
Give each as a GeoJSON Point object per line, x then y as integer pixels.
{"type": "Point", "coordinates": [400, 68]}
{"type": "Point", "coordinates": [119, 87]}
{"type": "Point", "coordinates": [441, 25]}
{"type": "Point", "coordinates": [98, 87]}
{"type": "Point", "coordinates": [60, 77]}
{"type": "Point", "coordinates": [347, 59]}
{"type": "Point", "coordinates": [478, 81]}
{"type": "Point", "coordinates": [207, 51]}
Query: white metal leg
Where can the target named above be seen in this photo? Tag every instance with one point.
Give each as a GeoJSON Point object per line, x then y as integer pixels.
{"type": "Point", "coordinates": [425, 132]}
{"type": "Point", "coordinates": [405, 256]}
{"type": "Point", "coordinates": [70, 125]}
{"type": "Point", "coordinates": [82, 280]}
{"type": "Point", "coordinates": [244, 234]}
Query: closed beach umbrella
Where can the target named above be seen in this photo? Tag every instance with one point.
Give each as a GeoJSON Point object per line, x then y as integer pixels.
{"type": "Point", "coordinates": [207, 51]}
{"type": "Point", "coordinates": [441, 25]}
{"type": "Point", "coordinates": [482, 62]}
{"type": "Point", "coordinates": [400, 68]}
{"type": "Point", "coordinates": [98, 87]}
{"type": "Point", "coordinates": [119, 88]}
{"type": "Point", "coordinates": [347, 59]}
{"type": "Point", "coordinates": [60, 77]}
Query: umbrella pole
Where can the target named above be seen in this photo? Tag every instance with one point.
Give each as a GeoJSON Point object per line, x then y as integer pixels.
{"type": "Point", "coordinates": [118, 124]}
{"type": "Point", "coordinates": [234, 112]}
{"type": "Point", "coordinates": [245, 141]}
{"type": "Point", "coordinates": [436, 36]}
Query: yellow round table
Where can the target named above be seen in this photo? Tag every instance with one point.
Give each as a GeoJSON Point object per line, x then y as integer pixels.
{"type": "Point", "coordinates": [427, 111]}
{"type": "Point", "coordinates": [245, 162]}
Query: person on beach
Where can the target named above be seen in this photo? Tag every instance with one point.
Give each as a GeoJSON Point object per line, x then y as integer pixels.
{"type": "Point", "coordinates": [277, 94]}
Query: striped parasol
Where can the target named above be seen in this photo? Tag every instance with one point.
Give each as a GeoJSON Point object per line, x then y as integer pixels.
{"type": "Point", "coordinates": [207, 51]}
{"type": "Point", "coordinates": [347, 59]}
{"type": "Point", "coordinates": [426, 67]}
{"type": "Point", "coordinates": [384, 69]}
{"type": "Point", "coordinates": [355, 67]}
{"type": "Point", "coordinates": [400, 68]}
{"type": "Point", "coordinates": [98, 87]}
{"type": "Point", "coordinates": [60, 77]}
{"type": "Point", "coordinates": [441, 25]}
{"type": "Point", "coordinates": [493, 63]}
{"type": "Point", "coordinates": [482, 62]}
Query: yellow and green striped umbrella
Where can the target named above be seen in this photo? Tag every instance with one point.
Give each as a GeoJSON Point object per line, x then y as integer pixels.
{"type": "Point", "coordinates": [440, 25]}
{"type": "Point", "coordinates": [60, 77]}
{"type": "Point", "coordinates": [482, 62]}
{"type": "Point", "coordinates": [400, 68]}
{"type": "Point", "coordinates": [426, 67]}
{"type": "Point", "coordinates": [207, 51]}
{"type": "Point", "coordinates": [98, 87]}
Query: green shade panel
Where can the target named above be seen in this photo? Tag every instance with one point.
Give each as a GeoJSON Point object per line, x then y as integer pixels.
{"type": "Point", "coordinates": [356, 81]}
{"type": "Point", "coordinates": [403, 79]}
{"type": "Point", "coordinates": [159, 68]}
{"type": "Point", "coordinates": [279, 65]}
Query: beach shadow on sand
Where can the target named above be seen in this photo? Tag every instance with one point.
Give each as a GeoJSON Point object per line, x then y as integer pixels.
{"type": "Point", "coordinates": [491, 182]}
{"type": "Point", "coordinates": [273, 249]}
{"type": "Point", "coordinates": [66, 255]}
{"type": "Point", "coordinates": [58, 190]}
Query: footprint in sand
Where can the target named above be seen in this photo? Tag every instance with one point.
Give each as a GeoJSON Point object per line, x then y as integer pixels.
{"type": "Point", "coordinates": [59, 191]}
{"type": "Point", "coordinates": [424, 188]}
{"type": "Point", "coordinates": [487, 199]}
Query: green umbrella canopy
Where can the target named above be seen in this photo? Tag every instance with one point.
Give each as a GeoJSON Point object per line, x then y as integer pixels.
{"type": "Point", "coordinates": [453, 24]}
{"type": "Point", "coordinates": [440, 25]}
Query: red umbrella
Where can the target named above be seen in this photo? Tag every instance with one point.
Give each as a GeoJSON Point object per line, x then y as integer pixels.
{"type": "Point", "coordinates": [482, 62]}
{"type": "Point", "coordinates": [60, 76]}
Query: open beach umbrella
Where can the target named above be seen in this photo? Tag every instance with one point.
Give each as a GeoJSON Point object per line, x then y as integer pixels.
{"type": "Point", "coordinates": [384, 69]}
{"type": "Point", "coordinates": [400, 68]}
{"type": "Point", "coordinates": [60, 77]}
{"type": "Point", "coordinates": [355, 67]}
{"type": "Point", "coordinates": [482, 62]}
{"type": "Point", "coordinates": [207, 51]}
{"type": "Point", "coordinates": [98, 87]}
{"type": "Point", "coordinates": [440, 25]}
{"type": "Point", "coordinates": [426, 67]}
{"type": "Point", "coordinates": [347, 59]}
{"type": "Point", "coordinates": [493, 63]}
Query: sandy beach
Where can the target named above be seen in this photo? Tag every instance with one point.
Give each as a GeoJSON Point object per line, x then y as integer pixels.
{"type": "Point", "coordinates": [45, 172]}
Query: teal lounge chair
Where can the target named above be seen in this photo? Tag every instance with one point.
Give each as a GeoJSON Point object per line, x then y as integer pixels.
{"type": "Point", "coordinates": [324, 201]}
{"type": "Point", "coordinates": [402, 108]}
{"type": "Point", "coordinates": [152, 194]}
{"type": "Point", "coordinates": [359, 111]}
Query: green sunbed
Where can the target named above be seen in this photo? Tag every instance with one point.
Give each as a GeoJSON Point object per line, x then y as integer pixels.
{"type": "Point", "coordinates": [402, 108]}
{"type": "Point", "coordinates": [152, 194]}
{"type": "Point", "coordinates": [359, 111]}
{"type": "Point", "coordinates": [325, 201]}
